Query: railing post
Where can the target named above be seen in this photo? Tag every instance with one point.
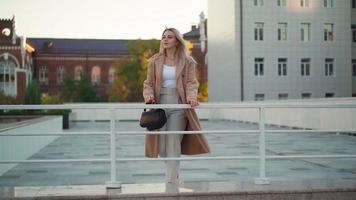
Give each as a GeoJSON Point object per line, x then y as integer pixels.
{"type": "Point", "coordinates": [262, 147]}
{"type": "Point", "coordinates": [113, 183]}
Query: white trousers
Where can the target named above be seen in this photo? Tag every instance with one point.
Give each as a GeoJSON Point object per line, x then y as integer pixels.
{"type": "Point", "coordinates": [169, 145]}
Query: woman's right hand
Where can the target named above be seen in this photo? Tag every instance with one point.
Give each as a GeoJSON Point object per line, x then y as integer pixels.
{"type": "Point", "coordinates": [150, 99]}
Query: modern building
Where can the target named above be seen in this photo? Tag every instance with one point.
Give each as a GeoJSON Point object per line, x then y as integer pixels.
{"type": "Point", "coordinates": [281, 49]}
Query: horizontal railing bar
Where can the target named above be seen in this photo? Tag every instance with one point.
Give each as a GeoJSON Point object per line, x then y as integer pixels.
{"type": "Point", "coordinates": [311, 156]}
{"type": "Point", "coordinates": [129, 159]}
{"type": "Point", "coordinates": [178, 158]}
{"type": "Point", "coordinates": [188, 132]}
{"type": "Point", "coordinates": [53, 134]}
{"type": "Point", "coordinates": [53, 161]}
{"type": "Point", "coordinates": [135, 133]}
{"type": "Point", "coordinates": [250, 132]}
{"type": "Point", "coordinates": [309, 131]}
{"type": "Point", "coordinates": [189, 158]}
{"type": "Point", "coordinates": [201, 106]}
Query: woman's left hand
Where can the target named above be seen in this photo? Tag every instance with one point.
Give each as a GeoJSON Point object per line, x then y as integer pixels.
{"type": "Point", "coordinates": [193, 103]}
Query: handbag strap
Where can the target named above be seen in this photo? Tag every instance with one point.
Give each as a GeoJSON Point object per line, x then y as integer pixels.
{"type": "Point", "coordinates": [147, 103]}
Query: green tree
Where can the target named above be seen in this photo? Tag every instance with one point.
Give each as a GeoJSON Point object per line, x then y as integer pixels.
{"type": "Point", "coordinates": [69, 91]}
{"type": "Point", "coordinates": [33, 93]}
{"type": "Point", "coordinates": [86, 92]}
{"type": "Point", "coordinates": [131, 72]}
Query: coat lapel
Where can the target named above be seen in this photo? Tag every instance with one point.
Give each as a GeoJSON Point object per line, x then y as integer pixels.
{"type": "Point", "coordinates": [179, 69]}
{"type": "Point", "coordinates": [159, 73]}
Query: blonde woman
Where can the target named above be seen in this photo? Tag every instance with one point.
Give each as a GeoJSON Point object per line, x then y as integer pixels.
{"type": "Point", "coordinates": [171, 80]}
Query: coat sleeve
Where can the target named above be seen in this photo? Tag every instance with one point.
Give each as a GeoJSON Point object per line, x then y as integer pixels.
{"type": "Point", "coordinates": [148, 84]}
{"type": "Point", "coordinates": [191, 89]}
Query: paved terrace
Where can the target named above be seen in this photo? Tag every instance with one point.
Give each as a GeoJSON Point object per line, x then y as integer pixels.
{"type": "Point", "coordinates": [299, 178]}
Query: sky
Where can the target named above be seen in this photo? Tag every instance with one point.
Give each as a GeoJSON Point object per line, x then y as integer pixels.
{"type": "Point", "coordinates": [101, 19]}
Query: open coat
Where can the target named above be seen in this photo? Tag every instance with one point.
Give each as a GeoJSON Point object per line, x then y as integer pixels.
{"type": "Point", "coordinates": [187, 87]}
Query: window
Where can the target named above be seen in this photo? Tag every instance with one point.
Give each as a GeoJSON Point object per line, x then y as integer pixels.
{"type": "Point", "coordinates": [304, 3]}
{"type": "Point", "coordinates": [305, 32]}
{"type": "Point", "coordinates": [259, 97]}
{"type": "Point", "coordinates": [258, 66]}
{"type": "Point", "coordinates": [353, 3]}
{"type": "Point", "coordinates": [8, 77]}
{"type": "Point", "coordinates": [60, 75]}
{"type": "Point", "coordinates": [305, 66]}
{"type": "Point", "coordinates": [354, 67]}
{"type": "Point", "coordinates": [328, 3]}
{"type": "Point", "coordinates": [329, 95]}
{"type": "Point", "coordinates": [282, 66]}
{"type": "Point", "coordinates": [258, 2]}
{"type": "Point", "coordinates": [306, 95]}
{"type": "Point", "coordinates": [112, 73]}
{"type": "Point", "coordinates": [282, 31]}
{"type": "Point", "coordinates": [283, 96]}
{"type": "Point", "coordinates": [328, 32]}
{"type": "Point", "coordinates": [353, 27]}
{"type": "Point", "coordinates": [258, 31]}
{"type": "Point", "coordinates": [43, 75]}
{"type": "Point", "coordinates": [78, 72]}
{"type": "Point", "coordinates": [329, 67]}
{"type": "Point", "coordinates": [281, 3]}
{"type": "Point", "coordinates": [95, 75]}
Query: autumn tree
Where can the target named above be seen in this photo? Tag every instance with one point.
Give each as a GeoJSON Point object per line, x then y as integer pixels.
{"type": "Point", "coordinates": [131, 71]}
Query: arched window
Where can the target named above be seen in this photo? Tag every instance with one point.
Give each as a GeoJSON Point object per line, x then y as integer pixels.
{"type": "Point", "coordinates": [7, 77]}
{"type": "Point", "coordinates": [95, 75]}
{"type": "Point", "coordinates": [112, 74]}
{"type": "Point", "coordinates": [60, 75]}
{"type": "Point", "coordinates": [78, 71]}
{"type": "Point", "coordinates": [43, 75]}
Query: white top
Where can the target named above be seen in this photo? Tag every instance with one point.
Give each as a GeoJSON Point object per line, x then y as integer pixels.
{"type": "Point", "coordinates": [169, 77]}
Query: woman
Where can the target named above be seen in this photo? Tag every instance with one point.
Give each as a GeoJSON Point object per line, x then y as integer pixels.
{"type": "Point", "coordinates": [171, 80]}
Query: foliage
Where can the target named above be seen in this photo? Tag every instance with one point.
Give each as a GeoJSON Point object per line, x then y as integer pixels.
{"type": "Point", "coordinates": [55, 99]}
{"type": "Point", "coordinates": [33, 93]}
{"type": "Point", "coordinates": [68, 93]}
{"type": "Point", "coordinates": [78, 91]}
{"type": "Point", "coordinates": [5, 99]}
{"type": "Point", "coordinates": [131, 72]}
{"type": "Point", "coordinates": [86, 92]}
{"type": "Point", "coordinates": [203, 92]}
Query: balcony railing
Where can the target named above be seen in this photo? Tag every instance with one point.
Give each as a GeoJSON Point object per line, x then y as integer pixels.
{"type": "Point", "coordinates": [112, 107]}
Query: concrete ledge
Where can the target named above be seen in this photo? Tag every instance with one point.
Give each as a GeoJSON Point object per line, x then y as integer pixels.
{"type": "Point", "coordinates": [301, 190]}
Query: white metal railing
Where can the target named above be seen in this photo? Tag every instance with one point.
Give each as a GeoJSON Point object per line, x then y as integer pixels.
{"type": "Point", "coordinates": [261, 107]}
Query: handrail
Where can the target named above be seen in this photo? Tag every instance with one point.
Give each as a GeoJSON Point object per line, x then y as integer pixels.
{"type": "Point", "coordinates": [112, 107]}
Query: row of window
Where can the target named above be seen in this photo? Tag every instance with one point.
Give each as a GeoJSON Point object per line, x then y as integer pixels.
{"type": "Point", "coordinates": [78, 71]}
{"type": "Point", "coordinates": [284, 96]}
{"type": "Point", "coordinates": [305, 67]}
{"type": "Point", "coordinates": [282, 33]}
{"type": "Point", "coordinates": [303, 3]}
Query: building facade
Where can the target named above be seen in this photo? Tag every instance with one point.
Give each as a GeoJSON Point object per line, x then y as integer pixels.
{"type": "Point", "coordinates": [16, 60]}
{"type": "Point", "coordinates": [281, 49]}
{"type": "Point", "coordinates": [198, 37]}
{"type": "Point", "coordinates": [56, 58]}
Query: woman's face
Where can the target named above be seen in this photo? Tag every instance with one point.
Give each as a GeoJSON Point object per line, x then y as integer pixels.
{"type": "Point", "coordinates": [169, 40]}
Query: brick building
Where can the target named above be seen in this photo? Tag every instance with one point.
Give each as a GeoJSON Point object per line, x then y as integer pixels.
{"type": "Point", "coordinates": [198, 37]}
{"type": "Point", "coordinates": [56, 58]}
{"type": "Point", "coordinates": [16, 60]}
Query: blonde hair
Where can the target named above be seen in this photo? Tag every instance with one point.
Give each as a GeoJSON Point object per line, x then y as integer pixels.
{"type": "Point", "coordinates": [181, 52]}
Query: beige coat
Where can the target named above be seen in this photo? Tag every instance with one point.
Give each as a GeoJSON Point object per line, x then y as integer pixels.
{"type": "Point", "coordinates": [187, 88]}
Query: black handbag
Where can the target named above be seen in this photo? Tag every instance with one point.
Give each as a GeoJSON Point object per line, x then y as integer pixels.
{"type": "Point", "coordinates": [153, 119]}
